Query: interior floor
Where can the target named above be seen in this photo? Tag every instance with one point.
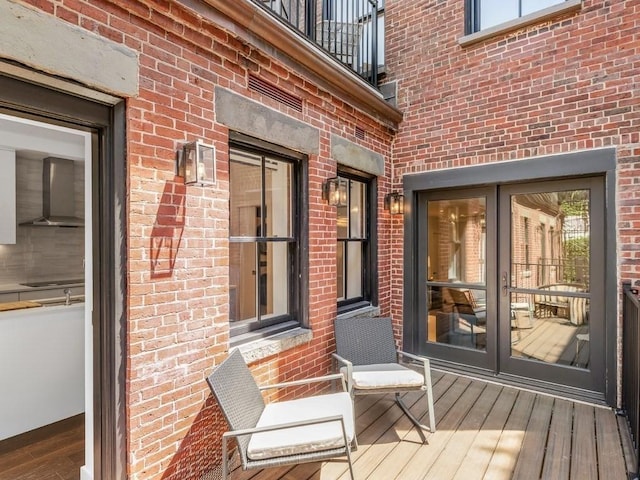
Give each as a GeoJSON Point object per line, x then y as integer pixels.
{"type": "Point", "coordinates": [53, 452]}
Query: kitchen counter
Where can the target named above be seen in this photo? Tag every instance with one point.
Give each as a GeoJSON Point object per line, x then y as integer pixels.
{"type": "Point", "coordinates": [44, 348]}
{"type": "Point", "coordinates": [43, 292]}
{"type": "Point", "coordinates": [19, 287]}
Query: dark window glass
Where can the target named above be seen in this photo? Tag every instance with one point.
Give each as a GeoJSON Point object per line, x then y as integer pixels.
{"type": "Point", "coordinates": [263, 243]}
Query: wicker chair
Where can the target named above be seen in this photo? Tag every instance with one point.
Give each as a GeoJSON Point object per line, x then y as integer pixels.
{"type": "Point", "coordinates": [367, 355]}
{"type": "Point", "coordinates": [308, 429]}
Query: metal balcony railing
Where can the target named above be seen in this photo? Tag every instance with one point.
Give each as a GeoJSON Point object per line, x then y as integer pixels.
{"type": "Point", "coordinates": [346, 29]}
{"type": "Point", "coordinates": [631, 363]}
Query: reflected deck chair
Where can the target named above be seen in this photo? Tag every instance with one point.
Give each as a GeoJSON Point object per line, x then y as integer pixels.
{"type": "Point", "coordinates": [308, 429]}
{"type": "Point", "coordinates": [367, 356]}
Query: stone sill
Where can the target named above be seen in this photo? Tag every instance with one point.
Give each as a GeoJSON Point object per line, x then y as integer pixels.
{"type": "Point", "coordinates": [266, 347]}
{"type": "Point", "coordinates": [517, 23]}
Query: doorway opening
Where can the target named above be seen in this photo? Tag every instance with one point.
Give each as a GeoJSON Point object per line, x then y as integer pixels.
{"type": "Point", "coordinates": [63, 222]}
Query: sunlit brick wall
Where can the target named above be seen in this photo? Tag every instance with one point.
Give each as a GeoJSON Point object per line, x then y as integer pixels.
{"type": "Point", "coordinates": [564, 84]}
{"type": "Point", "coordinates": [177, 244]}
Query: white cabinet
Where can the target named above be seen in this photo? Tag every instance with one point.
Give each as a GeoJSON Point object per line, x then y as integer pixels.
{"type": "Point", "coordinates": [7, 196]}
{"type": "Point", "coordinates": [41, 367]}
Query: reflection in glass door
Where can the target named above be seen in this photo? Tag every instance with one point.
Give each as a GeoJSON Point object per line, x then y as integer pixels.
{"type": "Point", "coordinates": [513, 280]}
{"type": "Point", "coordinates": [459, 325]}
{"type": "Point", "coordinates": [552, 304]}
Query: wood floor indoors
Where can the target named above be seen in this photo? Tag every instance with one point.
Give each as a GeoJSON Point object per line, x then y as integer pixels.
{"type": "Point", "coordinates": [54, 452]}
{"type": "Point", "coordinates": [484, 431]}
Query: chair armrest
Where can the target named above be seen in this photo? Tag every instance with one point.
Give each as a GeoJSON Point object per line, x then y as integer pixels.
{"type": "Point", "coordinates": [422, 360]}
{"type": "Point", "coordinates": [284, 426]}
{"type": "Point", "coordinates": [349, 365]}
{"type": "Point", "coordinates": [306, 381]}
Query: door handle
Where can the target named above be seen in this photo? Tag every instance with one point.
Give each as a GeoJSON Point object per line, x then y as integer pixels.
{"type": "Point", "coordinates": [505, 287]}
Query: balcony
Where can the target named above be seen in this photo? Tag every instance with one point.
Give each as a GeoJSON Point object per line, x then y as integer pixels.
{"type": "Point", "coordinates": [484, 431]}
{"type": "Point", "coordinates": [352, 31]}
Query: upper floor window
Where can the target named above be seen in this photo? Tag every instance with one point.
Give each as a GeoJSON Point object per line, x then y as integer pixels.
{"type": "Point", "coordinates": [483, 14]}
{"type": "Point", "coordinates": [264, 241]}
{"type": "Point", "coordinates": [354, 249]}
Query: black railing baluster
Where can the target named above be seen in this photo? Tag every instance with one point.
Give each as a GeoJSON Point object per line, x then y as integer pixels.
{"type": "Point", "coordinates": [346, 29]}
{"type": "Point", "coordinates": [631, 363]}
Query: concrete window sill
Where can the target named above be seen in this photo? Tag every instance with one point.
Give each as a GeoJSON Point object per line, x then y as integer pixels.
{"type": "Point", "coordinates": [266, 347]}
{"type": "Point", "coordinates": [517, 23]}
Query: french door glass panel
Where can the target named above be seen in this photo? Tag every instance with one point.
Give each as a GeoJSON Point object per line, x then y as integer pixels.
{"type": "Point", "coordinates": [551, 269]}
{"type": "Point", "coordinates": [550, 265]}
{"type": "Point", "coordinates": [456, 275]}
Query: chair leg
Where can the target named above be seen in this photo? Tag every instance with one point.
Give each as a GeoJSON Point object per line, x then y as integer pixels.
{"type": "Point", "coordinates": [225, 459]}
{"type": "Point", "coordinates": [349, 461]}
{"type": "Point", "coordinates": [432, 417]}
{"type": "Point", "coordinates": [413, 419]}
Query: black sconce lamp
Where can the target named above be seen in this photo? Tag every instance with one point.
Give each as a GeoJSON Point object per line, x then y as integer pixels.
{"type": "Point", "coordinates": [334, 191]}
{"type": "Point", "coordinates": [197, 163]}
{"type": "Point", "coordinates": [394, 203]}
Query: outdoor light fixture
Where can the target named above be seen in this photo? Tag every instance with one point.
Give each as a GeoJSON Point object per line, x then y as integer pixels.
{"type": "Point", "coordinates": [394, 203]}
{"type": "Point", "coordinates": [334, 191]}
{"type": "Point", "coordinates": [197, 163]}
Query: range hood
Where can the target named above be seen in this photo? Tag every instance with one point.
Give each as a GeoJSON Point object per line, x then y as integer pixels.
{"type": "Point", "coordinates": [58, 195]}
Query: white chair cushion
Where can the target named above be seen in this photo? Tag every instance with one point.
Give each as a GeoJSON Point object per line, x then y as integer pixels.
{"type": "Point", "coordinates": [385, 375]}
{"type": "Point", "coordinates": [305, 439]}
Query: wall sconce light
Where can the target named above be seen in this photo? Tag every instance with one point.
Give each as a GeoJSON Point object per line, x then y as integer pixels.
{"type": "Point", "coordinates": [394, 203]}
{"type": "Point", "coordinates": [197, 163]}
{"type": "Point", "coordinates": [334, 191]}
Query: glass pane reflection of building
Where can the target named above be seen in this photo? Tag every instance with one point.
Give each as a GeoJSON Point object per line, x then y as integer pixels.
{"type": "Point", "coordinates": [550, 245]}
{"type": "Point", "coordinates": [456, 255]}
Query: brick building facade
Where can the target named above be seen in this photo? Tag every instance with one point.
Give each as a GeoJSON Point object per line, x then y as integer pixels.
{"type": "Point", "coordinates": [173, 72]}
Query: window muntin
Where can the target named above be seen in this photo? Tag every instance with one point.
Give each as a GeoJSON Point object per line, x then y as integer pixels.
{"type": "Point", "coordinates": [263, 241]}
{"type": "Point", "coordinates": [353, 249]}
{"type": "Point", "coordinates": [489, 13]}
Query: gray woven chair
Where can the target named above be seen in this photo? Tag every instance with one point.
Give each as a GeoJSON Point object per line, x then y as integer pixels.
{"type": "Point", "coordinates": [367, 356]}
{"type": "Point", "coordinates": [308, 429]}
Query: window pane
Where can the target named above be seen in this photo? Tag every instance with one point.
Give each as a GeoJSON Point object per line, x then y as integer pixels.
{"type": "Point", "coordinates": [242, 281]}
{"type": "Point", "coordinates": [530, 6]}
{"type": "Point", "coordinates": [278, 198]}
{"type": "Point", "coordinates": [354, 270]}
{"type": "Point", "coordinates": [342, 221]}
{"type": "Point", "coordinates": [357, 210]}
{"type": "Point", "coordinates": [274, 280]}
{"type": "Point", "coordinates": [493, 12]}
{"type": "Point", "coordinates": [245, 198]}
{"type": "Point", "coordinates": [457, 238]}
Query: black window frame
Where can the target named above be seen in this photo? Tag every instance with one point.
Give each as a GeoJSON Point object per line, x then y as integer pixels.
{"type": "Point", "coordinates": [249, 330]}
{"type": "Point", "coordinates": [369, 255]}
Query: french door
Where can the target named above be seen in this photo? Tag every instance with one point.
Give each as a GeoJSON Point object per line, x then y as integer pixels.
{"type": "Point", "coordinates": [513, 280]}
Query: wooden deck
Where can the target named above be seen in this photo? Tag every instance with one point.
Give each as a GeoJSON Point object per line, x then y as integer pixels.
{"type": "Point", "coordinates": [484, 431]}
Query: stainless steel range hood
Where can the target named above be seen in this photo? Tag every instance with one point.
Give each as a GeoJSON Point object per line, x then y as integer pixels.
{"type": "Point", "coordinates": [58, 195]}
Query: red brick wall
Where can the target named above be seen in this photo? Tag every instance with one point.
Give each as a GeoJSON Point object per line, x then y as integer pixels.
{"type": "Point", "coordinates": [562, 85]}
{"type": "Point", "coordinates": [177, 236]}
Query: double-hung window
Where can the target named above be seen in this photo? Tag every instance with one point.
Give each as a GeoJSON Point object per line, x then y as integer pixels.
{"type": "Point", "coordinates": [264, 242]}
{"type": "Point", "coordinates": [355, 262]}
{"type": "Point", "coordinates": [483, 14]}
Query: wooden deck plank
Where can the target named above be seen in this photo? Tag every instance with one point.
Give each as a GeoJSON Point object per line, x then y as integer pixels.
{"type": "Point", "coordinates": [583, 455]}
{"type": "Point", "coordinates": [529, 463]}
{"type": "Point", "coordinates": [411, 442]}
{"type": "Point", "coordinates": [483, 447]}
{"type": "Point", "coordinates": [424, 457]}
{"type": "Point", "coordinates": [557, 459]}
{"type": "Point", "coordinates": [610, 453]}
{"type": "Point", "coordinates": [627, 444]}
{"type": "Point", "coordinates": [481, 435]}
{"type": "Point", "coordinates": [458, 446]}
{"type": "Point", "coordinates": [506, 452]}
